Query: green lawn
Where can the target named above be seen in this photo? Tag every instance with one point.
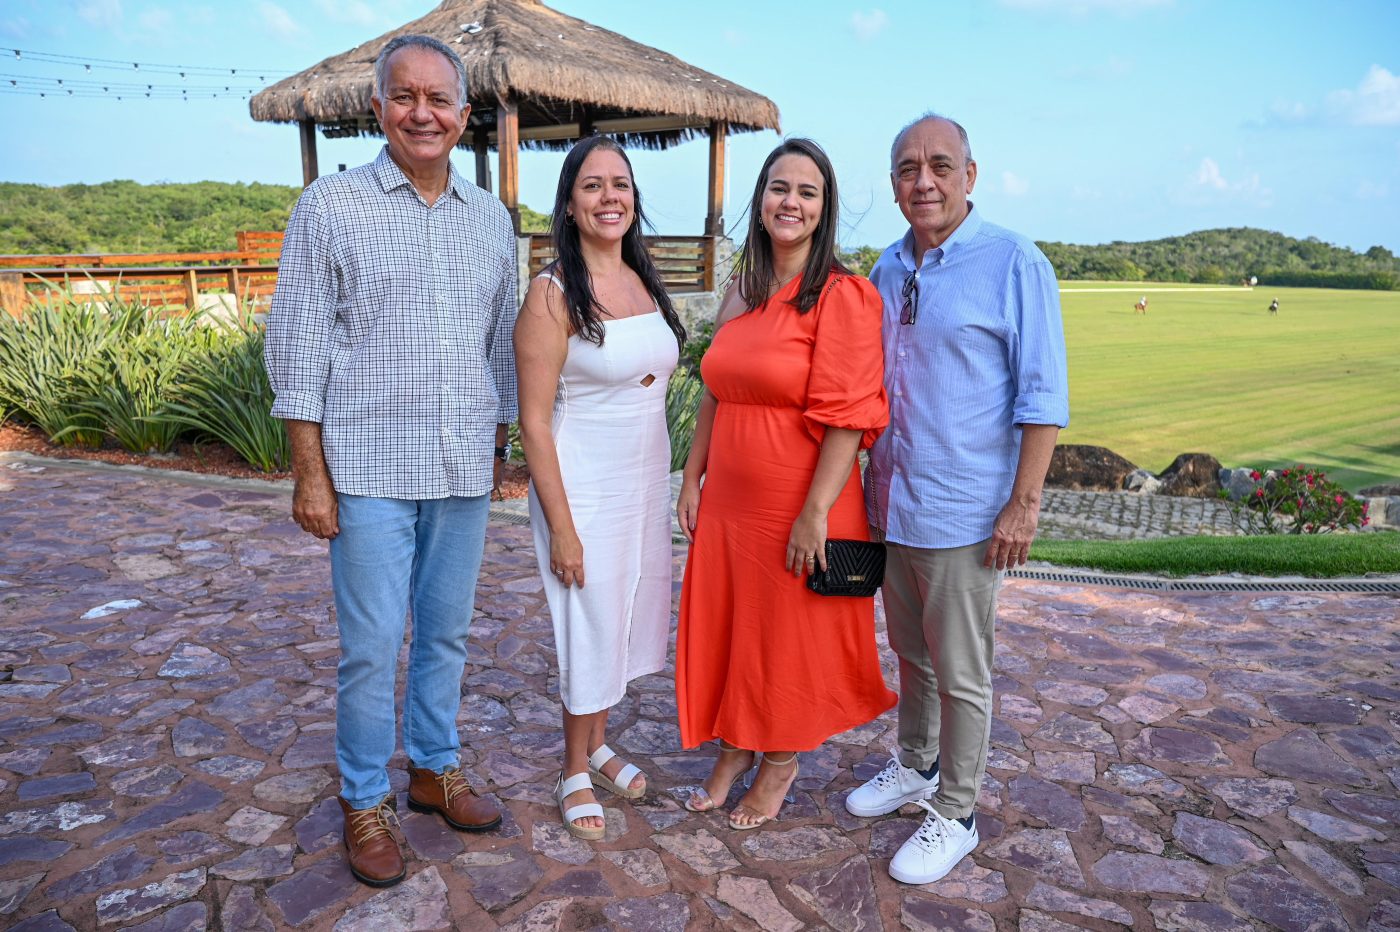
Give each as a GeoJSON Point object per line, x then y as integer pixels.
{"type": "Point", "coordinates": [1211, 371]}
{"type": "Point", "coordinates": [1272, 555]}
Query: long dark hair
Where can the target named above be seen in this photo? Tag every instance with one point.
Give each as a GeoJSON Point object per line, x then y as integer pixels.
{"type": "Point", "coordinates": [755, 266]}
{"type": "Point", "coordinates": [585, 313]}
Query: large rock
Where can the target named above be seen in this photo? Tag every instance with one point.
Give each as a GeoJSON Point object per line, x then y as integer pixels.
{"type": "Point", "coordinates": [1384, 490]}
{"type": "Point", "coordinates": [1196, 475]}
{"type": "Point", "coordinates": [1085, 468]}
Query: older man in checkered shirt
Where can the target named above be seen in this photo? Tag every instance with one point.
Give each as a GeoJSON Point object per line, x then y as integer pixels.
{"type": "Point", "coordinates": [389, 349]}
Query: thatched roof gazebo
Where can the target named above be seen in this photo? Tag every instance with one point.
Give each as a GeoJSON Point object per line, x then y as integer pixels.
{"type": "Point", "coordinates": [537, 78]}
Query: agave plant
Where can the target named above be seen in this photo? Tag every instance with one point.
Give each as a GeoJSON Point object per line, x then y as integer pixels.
{"type": "Point", "coordinates": [683, 395]}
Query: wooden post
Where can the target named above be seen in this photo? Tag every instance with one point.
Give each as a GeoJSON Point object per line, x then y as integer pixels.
{"type": "Point", "coordinates": [235, 288]}
{"type": "Point", "coordinates": [714, 220]}
{"type": "Point", "coordinates": [191, 283]}
{"type": "Point", "coordinates": [483, 159]}
{"type": "Point", "coordinates": [508, 152]}
{"type": "Point", "coordinates": [309, 171]}
{"type": "Point", "coordinates": [12, 294]}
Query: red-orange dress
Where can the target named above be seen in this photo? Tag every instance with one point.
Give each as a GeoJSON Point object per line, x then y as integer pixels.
{"type": "Point", "coordinates": [761, 661]}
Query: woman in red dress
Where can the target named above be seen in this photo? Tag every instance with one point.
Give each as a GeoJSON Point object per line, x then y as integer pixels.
{"type": "Point", "coordinates": [794, 387]}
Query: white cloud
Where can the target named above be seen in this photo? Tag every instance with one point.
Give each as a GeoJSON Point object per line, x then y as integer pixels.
{"type": "Point", "coordinates": [17, 28]}
{"type": "Point", "coordinates": [1372, 191]}
{"type": "Point", "coordinates": [1209, 185]}
{"type": "Point", "coordinates": [155, 20]}
{"type": "Point", "coordinates": [868, 25]}
{"type": "Point", "coordinates": [100, 14]}
{"type": "Point", "coordinates": [1081, 7]}
{"type": "Point", "coordinates": [1110, 70]}
{"type": "Point", "coordinates": [1208, 175]}
{"type": "Point", "coordinates": [1013, 184]}
{"type": "Point", "coordinates": [278, 21]}
{"type": "Point", "coordinates": [1374, 102]}
{"type": "Point", "coordinates": [354, 12]}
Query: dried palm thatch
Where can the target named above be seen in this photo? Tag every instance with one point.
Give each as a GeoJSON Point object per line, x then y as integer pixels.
{"type": "Point", "coordinates": [559, 70]}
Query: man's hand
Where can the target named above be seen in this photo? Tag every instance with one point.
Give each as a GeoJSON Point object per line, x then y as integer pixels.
{"type": "Point", "coordinates": [315, 509]}
{"type": "Point", "coordinates": [1012, 534]}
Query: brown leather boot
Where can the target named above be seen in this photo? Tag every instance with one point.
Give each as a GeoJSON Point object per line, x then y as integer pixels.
{"type": "Point", "coordinates": [373, 851]}
{"type": "Point", "coordinates": [450, 794]}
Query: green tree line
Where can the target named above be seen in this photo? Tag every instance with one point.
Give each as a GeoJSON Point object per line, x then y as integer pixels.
{"type": "Point", "coordinates": [1227, 256]}
{"type": "Point", "coordinates": [123, 216]}
{"type": "Point", "coordinates": [126, 217]}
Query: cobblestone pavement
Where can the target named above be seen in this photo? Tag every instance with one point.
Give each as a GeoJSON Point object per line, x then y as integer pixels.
{"type": "Point", "coordinates": [167, 660]}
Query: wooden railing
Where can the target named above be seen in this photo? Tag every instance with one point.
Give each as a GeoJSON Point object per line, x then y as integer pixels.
{"type": "Point", "coordinates": [686, 263]}
{"type": "Point", "coordinates": [163, 286]}
{"type": "Point", "coordinates": [163, 279]}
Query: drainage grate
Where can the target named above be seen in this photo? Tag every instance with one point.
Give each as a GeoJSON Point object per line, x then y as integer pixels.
{"type": "Point", "coordinates": [1157, 584]}
{"type": "Point", "coordinates": [509, 517]}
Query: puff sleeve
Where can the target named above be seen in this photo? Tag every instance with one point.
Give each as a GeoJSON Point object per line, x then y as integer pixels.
{"type": "Point", "coordinates": [846, 386]}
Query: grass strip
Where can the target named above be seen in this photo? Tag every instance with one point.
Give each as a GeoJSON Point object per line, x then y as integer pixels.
{"type": "Point", "coordinates": [1322, 555]}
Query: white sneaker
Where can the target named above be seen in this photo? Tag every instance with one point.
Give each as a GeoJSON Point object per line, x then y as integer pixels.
{"type": "Point", "coordinates": [889, 789]}
{"type": "Point", "coordinates": [933, 850]}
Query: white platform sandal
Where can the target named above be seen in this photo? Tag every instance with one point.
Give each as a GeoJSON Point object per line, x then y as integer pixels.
{"type": "Point", "coordinates": [620, 786]}
{"type": "Point", "coordinates": [578, 781]}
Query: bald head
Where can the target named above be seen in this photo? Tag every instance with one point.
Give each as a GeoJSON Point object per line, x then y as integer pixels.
{"type": "Point", "coordinates": [927, 118]}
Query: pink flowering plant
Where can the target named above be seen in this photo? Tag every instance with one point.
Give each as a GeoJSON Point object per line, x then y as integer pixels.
{"type": "Point", "coordinates": [1297, 500]}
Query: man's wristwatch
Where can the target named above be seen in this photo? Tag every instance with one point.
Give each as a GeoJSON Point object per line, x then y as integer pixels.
{"type": "Point", "coordinates": [503, 453]}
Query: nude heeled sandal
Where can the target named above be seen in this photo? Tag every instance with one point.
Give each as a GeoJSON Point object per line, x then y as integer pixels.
{"type": "Point", "coordinates": [707, 803]}
{"type": "Point", "coordinates": [762, 819]}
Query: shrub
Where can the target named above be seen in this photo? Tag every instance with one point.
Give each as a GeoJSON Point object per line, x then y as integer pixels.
{"type": "Point", "coordinates": [683, 395]}
{"type": "Point", "coordinates": [224, 394]}
{"type": "Point", "coordinates": [1297, 500]}
{"type": "Point", "coordinates": [50, 356]}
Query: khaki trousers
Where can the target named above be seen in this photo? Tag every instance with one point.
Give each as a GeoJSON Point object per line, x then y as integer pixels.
{"type": "Point", "coordinates": [940, 610]}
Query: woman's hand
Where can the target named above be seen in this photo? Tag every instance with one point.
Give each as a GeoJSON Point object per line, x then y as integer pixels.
{"type": "Point", "coordinates": [566, 559]}
{"type": "Point", "coordinates": [688, 508]}
{"type": "Point", "coordinates": [806, 548]}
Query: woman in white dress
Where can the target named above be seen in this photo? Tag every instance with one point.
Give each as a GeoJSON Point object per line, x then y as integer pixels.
{"type": "Point", "coordinates": [595, 344]}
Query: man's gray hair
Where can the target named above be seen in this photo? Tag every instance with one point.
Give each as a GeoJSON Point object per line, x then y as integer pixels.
{"type": "Point", "coordinates": [414, 41]}
{"type": "Point", "coordinates": [930, 115]}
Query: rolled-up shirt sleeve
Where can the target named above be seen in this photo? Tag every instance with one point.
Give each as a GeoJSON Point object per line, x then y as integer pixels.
{"type": "Point", "coordinates": [846, 387]}
{"type": "Point", "coordinates": [297, 352]}
{"type": "Point", "coordinates": [504, 309]}
{"type": "Point", "coordinates": [1038, 346]}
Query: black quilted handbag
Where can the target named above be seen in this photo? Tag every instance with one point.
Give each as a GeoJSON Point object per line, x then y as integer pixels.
{"type": "Point", "coordinates": [853, 567]}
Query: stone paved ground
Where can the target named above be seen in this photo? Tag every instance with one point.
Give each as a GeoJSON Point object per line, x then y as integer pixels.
{"type": "Point", "coordinates": [167, 661]}
{"type": "Point", "coordinates": [1068, 515]}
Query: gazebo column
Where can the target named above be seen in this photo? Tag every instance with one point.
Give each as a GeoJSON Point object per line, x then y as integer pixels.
{"type": "Point", "coordinates": [483, 159]}
{"type": "Point", "coordinates": [309, 171]}
{"type": "Point", "coordinates": [714, 220]}
{"type": "Point", "coordinates": [508, 152]}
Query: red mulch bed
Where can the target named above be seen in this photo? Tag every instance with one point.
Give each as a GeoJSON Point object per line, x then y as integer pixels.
{"type": "Point", "coordinates": [213, 459]}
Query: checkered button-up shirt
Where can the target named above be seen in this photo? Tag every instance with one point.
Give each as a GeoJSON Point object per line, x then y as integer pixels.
{"type": "Point", "coordinates": [391, 326]}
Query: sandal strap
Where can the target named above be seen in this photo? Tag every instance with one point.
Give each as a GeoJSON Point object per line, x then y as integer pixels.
{"type": "Point", "coordinates": [726, 748]}
{"type": "Point", "coordinates": [598, 758]}
{"type": "Point", "coordinates": [583, 811]}
{"type": "Point", "coordinates": [627, 774]}
{"type": "Point", "coordinates": [579, 781]}
{"type": "Point", "coordinates": [780, 763]}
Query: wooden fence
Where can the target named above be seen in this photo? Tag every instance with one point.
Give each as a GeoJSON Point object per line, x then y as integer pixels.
{"type": "Point", "coordinates": [686, 263]}
{"type": "Point", "coordinates": [167, 279]}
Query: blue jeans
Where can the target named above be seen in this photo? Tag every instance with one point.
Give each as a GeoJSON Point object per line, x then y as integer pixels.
{"type": "Point", "coordinates": [392, 555]}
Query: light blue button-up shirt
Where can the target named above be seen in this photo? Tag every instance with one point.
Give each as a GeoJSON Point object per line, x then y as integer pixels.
{"type": "Point", "coordinates": [985, 353]}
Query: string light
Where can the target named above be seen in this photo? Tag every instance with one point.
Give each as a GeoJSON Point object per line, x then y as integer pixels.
{"type": "Point", "coordinates": [89, 64]}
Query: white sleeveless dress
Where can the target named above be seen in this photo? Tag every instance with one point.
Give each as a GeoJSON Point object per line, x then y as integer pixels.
{"type": "Point", "coordinates": [614, 457]}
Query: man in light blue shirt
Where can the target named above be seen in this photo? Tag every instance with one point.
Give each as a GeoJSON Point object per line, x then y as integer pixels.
{"type": "Point", "coordinates": [976, 375]}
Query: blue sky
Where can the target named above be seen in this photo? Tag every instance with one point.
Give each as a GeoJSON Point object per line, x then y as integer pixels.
{"type": "Point", "coordinates": [1090, 120]}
